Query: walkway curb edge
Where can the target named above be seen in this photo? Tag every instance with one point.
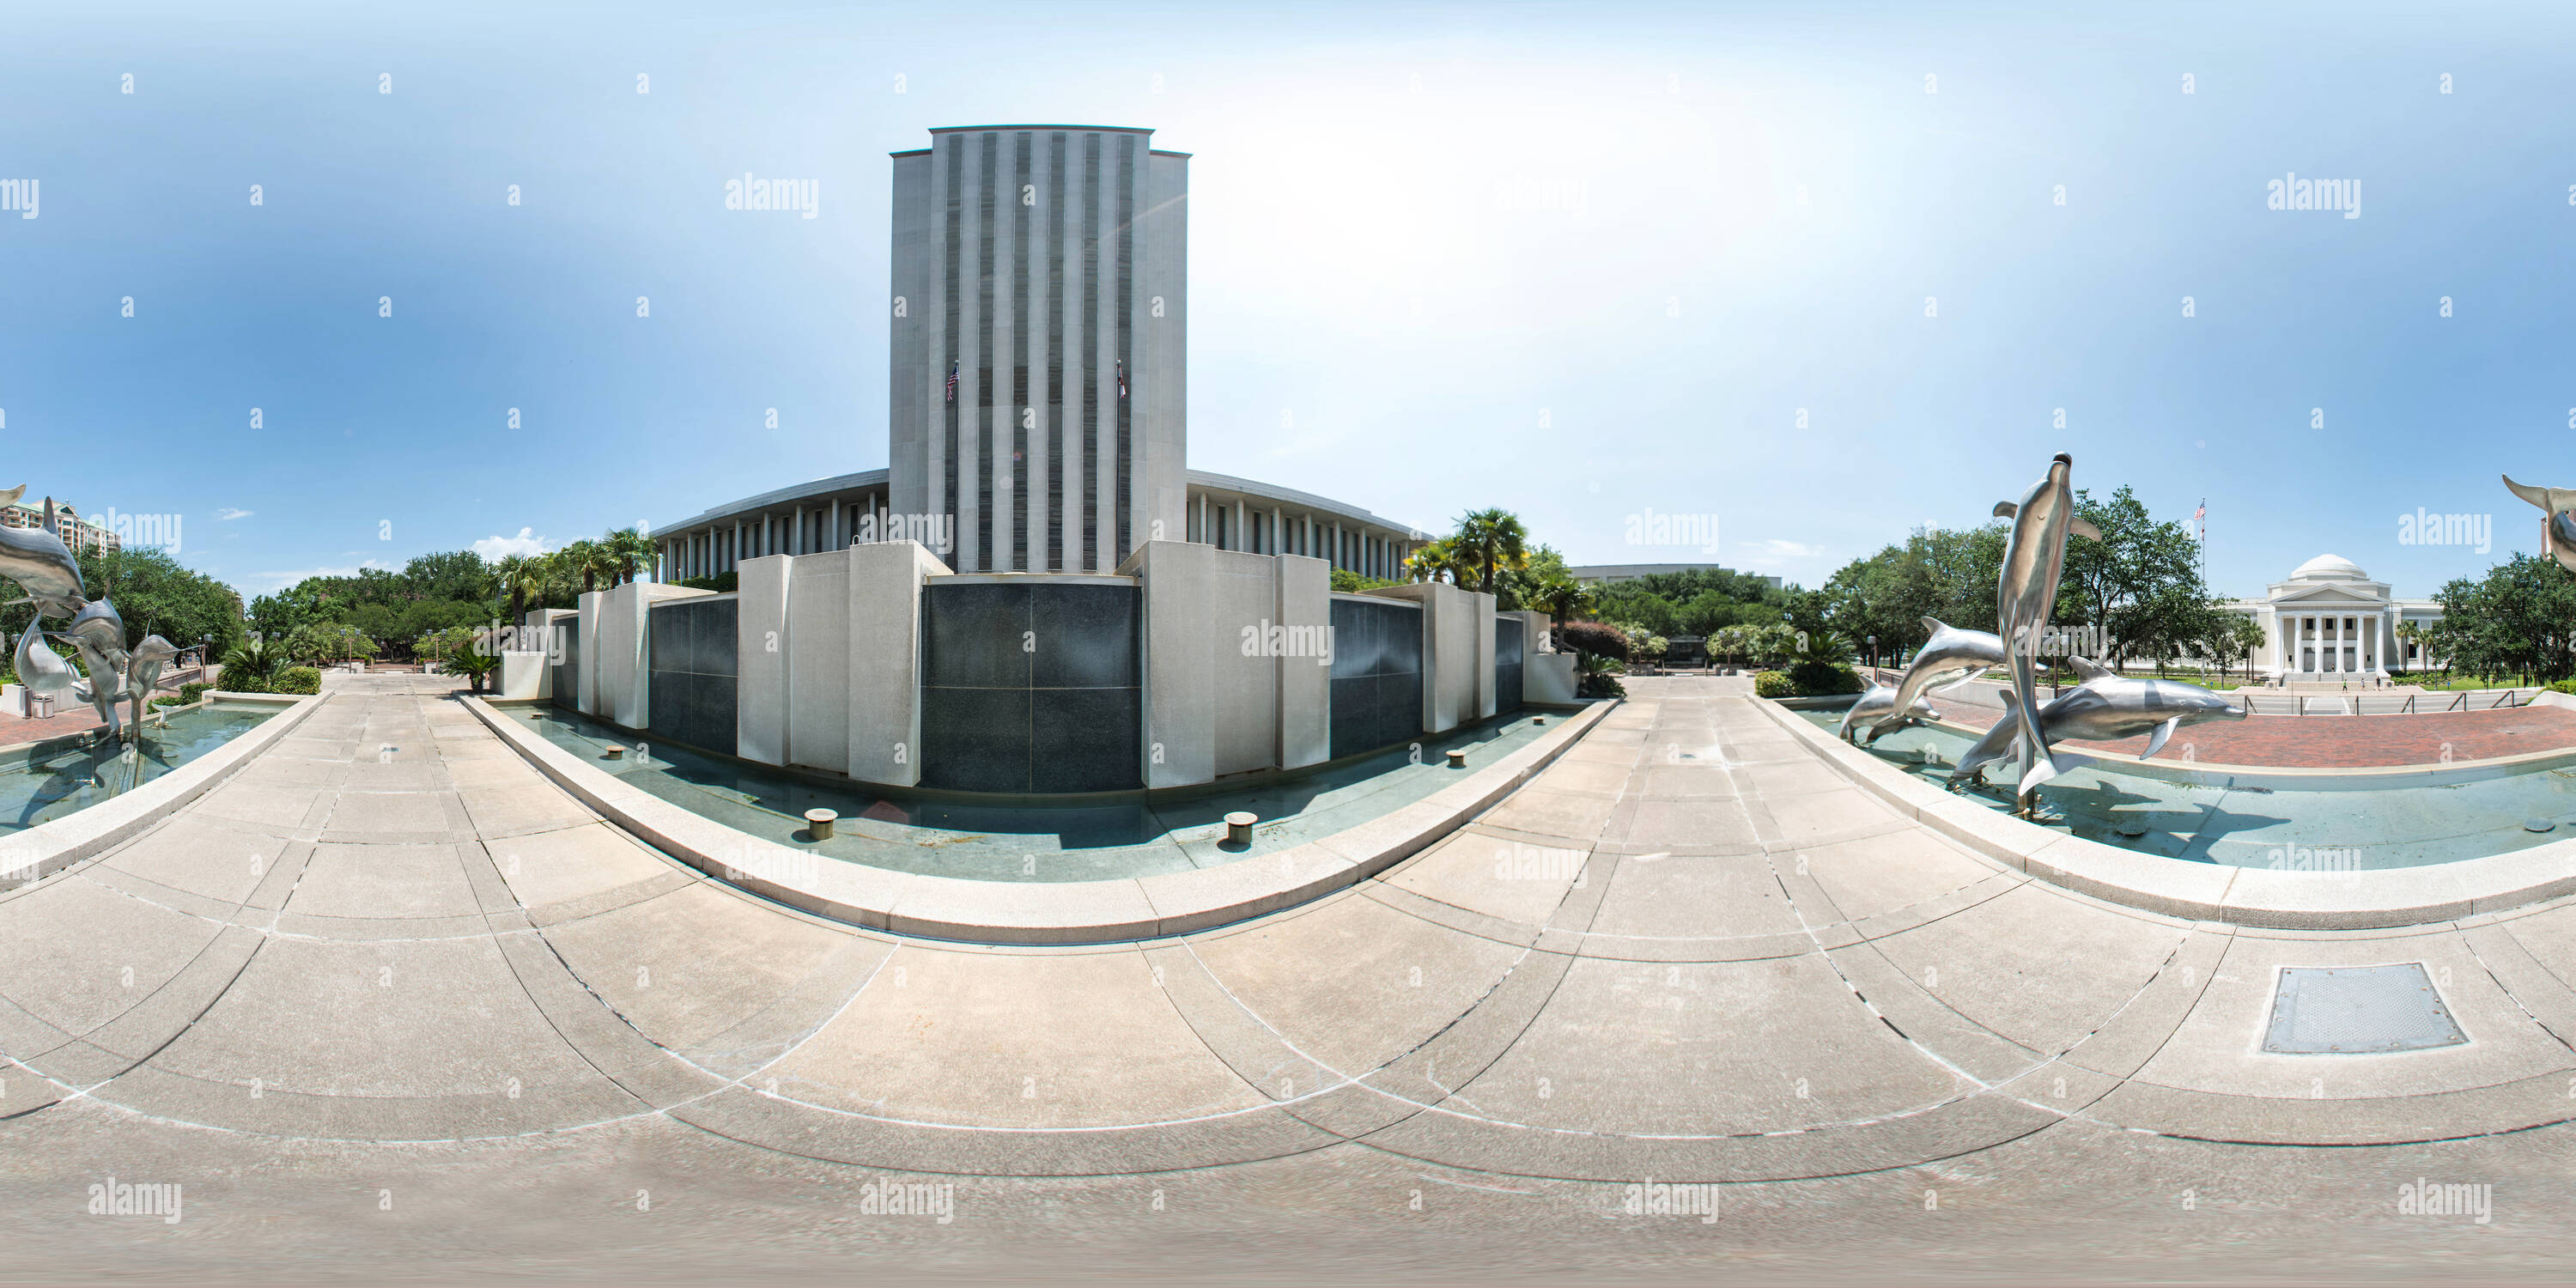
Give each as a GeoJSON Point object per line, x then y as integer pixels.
{"type": "Point", "coordinates": [1070, 912]}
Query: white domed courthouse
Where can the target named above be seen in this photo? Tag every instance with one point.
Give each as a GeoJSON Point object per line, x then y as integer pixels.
{"type": "Point", "coordinates": [2330, 621]}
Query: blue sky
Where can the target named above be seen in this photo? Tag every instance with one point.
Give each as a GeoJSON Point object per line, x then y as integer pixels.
{"type": "Point", "coordinates": [1582, 263]}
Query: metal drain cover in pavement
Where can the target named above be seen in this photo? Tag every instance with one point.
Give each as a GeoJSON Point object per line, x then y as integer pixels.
{"type": "Point", "coordinates": [2354, 1010]}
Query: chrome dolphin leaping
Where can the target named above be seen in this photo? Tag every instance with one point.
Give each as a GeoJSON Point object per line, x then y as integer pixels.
{"type": "Point", "coordinates": [2034, 559]}
{"type": "Point", "coordinates": [1876, 714]}
{"type": "Point", "coordinates": [1948, 658]}
{"type": "Point", "coordinates": [97, 634]}
{"type": "Point", "coordinates": [2557, 524]}
{"type": "Point", "coordinates": [2104, 708]}
{"type": "Point", "coordinates": [41, 564]}
{"type": "Point", "coordinates": [41, 669]}
{"type": "Point", "coordinates": [143, 669]}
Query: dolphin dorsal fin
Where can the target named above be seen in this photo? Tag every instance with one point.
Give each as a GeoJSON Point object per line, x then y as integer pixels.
{"type": "Point", "coordinates": [2086, 670]}
{"type": "Point", "coordinates": [2006, 509]}
{"type": "Point", "coordinates": [1934, 625]}
{"type": "Point", "coordinates": [10, 496]}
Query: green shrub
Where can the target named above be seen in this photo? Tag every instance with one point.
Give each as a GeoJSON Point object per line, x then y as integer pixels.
{"type": "Point", "coordinates": [1819, 679]}
{"type": "Point", "coordinates": [1773, 684]}
{"type": "Point", "coordinates": [193, 690]}
{"type": "Point", "coordinates": [2567, 686]}
{"type": "Point", "coordinates": [169, 700]}
{"type": "Point", "coordinates": [243, 683]}
{"type": "Point", "coordinates": [1599, 684]}
{"type": "Point", "coordinates": [298, 679]}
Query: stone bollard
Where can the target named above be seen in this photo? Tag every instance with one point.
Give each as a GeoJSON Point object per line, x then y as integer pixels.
{"type": "Point", "coordinates": [1458, 759]}
{"type": "Point", "coordinates": [818, 823]}
{"type": "Point", "coordinates": [1238, 827]}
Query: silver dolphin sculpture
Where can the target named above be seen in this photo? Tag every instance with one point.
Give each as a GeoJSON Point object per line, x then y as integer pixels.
{"type": "Point", "coordinates": [2557, 525]}
{"type": "Point", "coordinates": [1949, 658]}
{"type": "Point", "coordinates": [1876, 714]}
{"type": "Point", "coordinates": [97, 633]}
{"type": "Point", "coordinates": [2034, 558]}
{"type": "Point", "coordinates": [2104, 708]}
{"type": "Point", "coordinates": [41, 564]}
{"type": "Point", "coordinates": [143, 670]}
{"type": "Point", "coordinates": [41, 669]}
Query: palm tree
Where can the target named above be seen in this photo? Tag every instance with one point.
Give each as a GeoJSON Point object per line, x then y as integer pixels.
{"type": "Point", "coordinates": [586, 558]}
{"type": "Point", "coordinates": [1564, 599]}
{"type": "Point", "coordinates": [1433, 561]}
{"type": "Point", "coordinates": [629, 553]}
{"type": "Point", "coordinates": [1488, 541]}
{"type": "Point", "coordinates": [517, 574]}
{"type": "Point", "coordinates": [250, 666]}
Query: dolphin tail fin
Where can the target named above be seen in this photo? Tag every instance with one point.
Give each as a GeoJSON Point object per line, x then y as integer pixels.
{"type": "Point", "coordinates": [2039, 766]}
{"type": "Point", "coordinates": [2083, 529]}
{"type": "Point", "coordinates": [2006, 509]}
{"type": "Point", "coordinates": [2538, 496]}
{"type": "Point", "coordinates": [2157, 742]}
{"type": "Point", "coordinates": [2043, 767]}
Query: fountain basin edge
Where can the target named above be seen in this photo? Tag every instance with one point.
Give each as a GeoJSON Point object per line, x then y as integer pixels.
{"type": "Point", "coordinates": [2256, 897]}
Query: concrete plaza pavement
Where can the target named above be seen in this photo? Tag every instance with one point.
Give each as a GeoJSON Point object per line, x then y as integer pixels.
{"type": "Point", "coordinates": [390, 1000]}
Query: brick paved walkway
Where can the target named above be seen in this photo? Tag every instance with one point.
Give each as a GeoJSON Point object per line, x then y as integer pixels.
{"type": "Point", "coordinates": [2330, 742]}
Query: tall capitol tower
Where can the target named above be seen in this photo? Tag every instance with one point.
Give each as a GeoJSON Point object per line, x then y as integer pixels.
{"type": "Point", "coordinates": [1040, 343]}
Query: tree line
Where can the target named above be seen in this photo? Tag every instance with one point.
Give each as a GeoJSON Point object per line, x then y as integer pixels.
{"type": "Point", "coordinates": [2140, 587]}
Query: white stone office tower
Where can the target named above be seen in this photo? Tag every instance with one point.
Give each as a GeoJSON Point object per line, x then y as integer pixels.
{"type": "Point", "coordinates": [1041, 264]}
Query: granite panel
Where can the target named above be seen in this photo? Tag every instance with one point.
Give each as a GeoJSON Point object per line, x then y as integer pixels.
{"type": "Point", "coordinates": [1086, 740]}
{"type": "Point", "coordinates": [976, 636]}
{"type": "Point", "coordinates": [975, 740]}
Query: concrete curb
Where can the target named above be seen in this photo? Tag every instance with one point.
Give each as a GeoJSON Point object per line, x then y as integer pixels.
{"type": "Point", "coordinates": [2259, 897]}
{"type": "Point", "coordinates": [1011, 912]}
{"type": "Point", "coordinates": [38, 852]}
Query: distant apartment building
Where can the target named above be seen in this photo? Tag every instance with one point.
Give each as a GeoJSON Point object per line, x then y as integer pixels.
{"type": "Point", "coordinates": [80, 533]}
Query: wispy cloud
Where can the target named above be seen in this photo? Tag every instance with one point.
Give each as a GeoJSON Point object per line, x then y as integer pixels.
{"type": "Point", "coordinates": [1779, 549]}
{"type": "Point", "coordinates": [263, 582]}
{"type": "Point", "coordinates": [228, 514]}
{"type": "Point", "coordinates": [526, 543]}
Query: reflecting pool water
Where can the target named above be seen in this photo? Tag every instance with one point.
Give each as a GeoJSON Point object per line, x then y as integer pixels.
{"type": "Point", "coordinates": [1001, 841]}
{"type": "Point", "coordinates": [44, 781]}
{"type": "Point", "coordinates": [2325, 828]}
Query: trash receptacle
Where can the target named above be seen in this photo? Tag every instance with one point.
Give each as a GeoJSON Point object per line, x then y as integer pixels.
{"type": "Point", "coordinates": [40, 706]}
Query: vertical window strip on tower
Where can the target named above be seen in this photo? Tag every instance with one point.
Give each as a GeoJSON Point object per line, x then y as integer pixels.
{"type": "Point", "coordinates": [948, 333]}
{"type": "Point", "coordinates": [1090, 352]}
{"type": "Point", "coordinates": [1055, 352]}
{"type": "Point", "coordinates": [985, 439]}
{"type": "Point", "coordinates": [1123, 499]}
{"type": "Point", "coordinates": [1023, 316]}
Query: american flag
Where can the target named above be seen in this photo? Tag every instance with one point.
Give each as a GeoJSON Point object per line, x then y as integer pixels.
{"type": "Point", "coordinates": [1122, 378]}
{"type": "Point", "coordinates": [2201, 517]}
{"type": "Point", "coordinates": [952, 382]}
